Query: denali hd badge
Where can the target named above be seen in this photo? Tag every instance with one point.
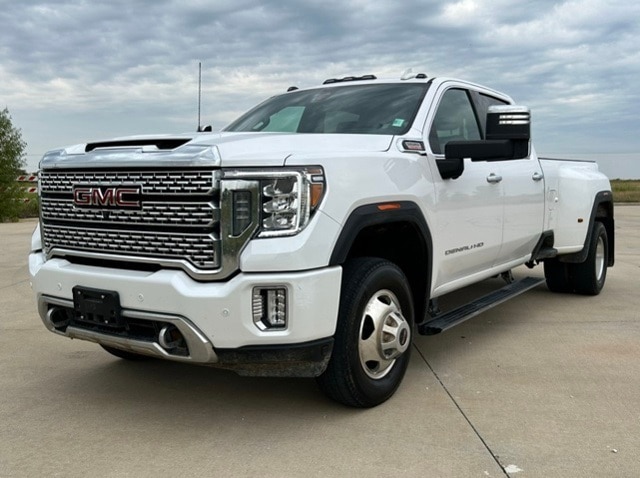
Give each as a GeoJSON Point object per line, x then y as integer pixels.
{"type": "Point", "coordinates": [107, 197]}
{"type": "Point", "coordinates": [470, 247]}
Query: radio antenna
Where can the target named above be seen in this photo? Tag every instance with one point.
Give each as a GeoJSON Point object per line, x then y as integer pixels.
{"type": "Point", "coordinates": [199, 92]}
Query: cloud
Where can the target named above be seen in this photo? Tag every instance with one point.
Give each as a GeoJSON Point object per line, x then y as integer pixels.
{"type": "Point", "coordinates": [85, 70]}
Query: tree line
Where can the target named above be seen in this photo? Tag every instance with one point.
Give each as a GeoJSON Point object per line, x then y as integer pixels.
{"type": "Point", "coordinates": [12, 162]}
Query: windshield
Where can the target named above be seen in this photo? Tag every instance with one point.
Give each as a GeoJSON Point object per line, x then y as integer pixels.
{"type": "Point", "coordinates": [386, 109]}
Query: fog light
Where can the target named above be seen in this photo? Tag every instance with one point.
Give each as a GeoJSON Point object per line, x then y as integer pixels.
{"type": "Point", "coordinates": [269, 305]}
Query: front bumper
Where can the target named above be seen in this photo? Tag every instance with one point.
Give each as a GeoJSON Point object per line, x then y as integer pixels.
{"type": "Point", "coordinates": [212, 316]}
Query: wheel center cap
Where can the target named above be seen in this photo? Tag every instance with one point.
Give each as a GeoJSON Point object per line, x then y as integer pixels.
{"type": "Point", "coordinates": [404, 335]}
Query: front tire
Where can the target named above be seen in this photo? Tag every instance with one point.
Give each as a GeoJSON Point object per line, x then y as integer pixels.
{"type": "Point", "coordinates": [373, 336]}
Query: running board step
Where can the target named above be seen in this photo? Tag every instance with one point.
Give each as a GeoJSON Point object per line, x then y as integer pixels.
{"type": "Point", "coordinates": [447, 320]}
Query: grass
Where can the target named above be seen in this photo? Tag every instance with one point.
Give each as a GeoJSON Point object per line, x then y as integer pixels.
{"type": "Point", "coordinates": [626, 190]}
{"type": "Point", "coordinates": [30, 208]}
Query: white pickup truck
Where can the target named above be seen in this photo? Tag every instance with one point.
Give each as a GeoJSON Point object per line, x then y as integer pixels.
{"type": "Point", "coordinates": [313, 235]}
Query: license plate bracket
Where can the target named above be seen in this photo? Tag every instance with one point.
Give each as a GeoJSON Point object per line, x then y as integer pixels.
{"type": "Point", "coordinates": [97, 307]}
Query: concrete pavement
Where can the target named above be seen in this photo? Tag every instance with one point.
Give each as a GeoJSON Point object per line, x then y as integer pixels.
{"type": "Point", "coordinates": [545, 385]}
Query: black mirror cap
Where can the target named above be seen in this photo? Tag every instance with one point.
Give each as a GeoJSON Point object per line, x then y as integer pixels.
{"type": "Point", "coordinates": [488, 150]}
{"type": "Point", "coordinates": [509, 122]}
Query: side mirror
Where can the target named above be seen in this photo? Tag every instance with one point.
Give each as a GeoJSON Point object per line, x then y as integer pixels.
{"type": "Point", "coordinates": [480, 150]}
{"type": "Point", "coordinates": [508, 136]}
{"type": "Point", "coordinates": [509, 122]}
{"type": "Point", "coordinates": [513, 123]}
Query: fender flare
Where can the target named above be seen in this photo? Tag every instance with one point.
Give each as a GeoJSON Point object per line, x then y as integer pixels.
{"type": "Point", "coordinates": [386, 213]}
{"type": "Point", "coordinates": [603, 197]}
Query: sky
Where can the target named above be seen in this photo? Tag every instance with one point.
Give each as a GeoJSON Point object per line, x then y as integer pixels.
{"type": "Point", "coordinates": [73, 71]}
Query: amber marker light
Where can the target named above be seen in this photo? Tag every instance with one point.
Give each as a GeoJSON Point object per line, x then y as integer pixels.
{"type": "Point", "coordinates": [317, 191]}
{"type": "Point", "coordinates": [316, 186]}
{"type": "Point", "coordinates": [390, 206]}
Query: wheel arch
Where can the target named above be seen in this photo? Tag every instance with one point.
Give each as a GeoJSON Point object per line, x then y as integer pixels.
{"type": "Point", "coordinates": [602, 211]}
{"type": "Point", "coordinates": [397, 232]}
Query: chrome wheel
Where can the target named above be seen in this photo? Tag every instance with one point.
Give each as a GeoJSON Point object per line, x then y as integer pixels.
{"type": "Point", "coordinates": [600, 258]}
{"type": "Point", "coordinates": [384, 334]}
{"type": "Point", "coordinates": [371, 350]}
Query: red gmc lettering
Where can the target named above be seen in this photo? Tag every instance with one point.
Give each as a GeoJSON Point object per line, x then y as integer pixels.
{"type": "Point", "coordinates": [105, 197]}
{"type": "Point", "coordinates": [121, 202]}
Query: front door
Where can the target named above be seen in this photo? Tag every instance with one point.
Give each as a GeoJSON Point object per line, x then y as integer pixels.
{"type": "Point", "coordinates": [469, 209]}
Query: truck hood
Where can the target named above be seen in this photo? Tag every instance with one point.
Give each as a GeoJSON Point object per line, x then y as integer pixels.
{"type": "Point", "coordinates": [272, 149]}
{"type": "Point", "coordinates": [224, 149]}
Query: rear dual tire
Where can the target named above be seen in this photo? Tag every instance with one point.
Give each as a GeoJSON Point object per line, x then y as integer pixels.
{"type": "Point", "coordinates": [585, 278]}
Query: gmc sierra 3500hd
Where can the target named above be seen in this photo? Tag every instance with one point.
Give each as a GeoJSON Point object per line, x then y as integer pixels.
{"type": "Point", "coordinates": [313, 235]}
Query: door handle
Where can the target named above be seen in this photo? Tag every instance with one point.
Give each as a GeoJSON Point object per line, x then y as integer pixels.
{"type": "Point", "coordinates": [537, 176]}
{"type": "Point", "coordinates": [494, 178]}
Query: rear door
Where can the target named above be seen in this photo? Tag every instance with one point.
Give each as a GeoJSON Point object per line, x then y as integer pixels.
{"type": "Point", "coordinates": [523, 186]}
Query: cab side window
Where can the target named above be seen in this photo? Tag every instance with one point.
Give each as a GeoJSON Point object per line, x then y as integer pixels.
{"type": "Point", "coordinates": [455, 120]}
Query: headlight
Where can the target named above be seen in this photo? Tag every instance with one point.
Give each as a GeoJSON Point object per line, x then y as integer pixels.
{"type": "Point", "coordinates": [288, 197]}
{"type": "Point", "coordinates": [288, 201]}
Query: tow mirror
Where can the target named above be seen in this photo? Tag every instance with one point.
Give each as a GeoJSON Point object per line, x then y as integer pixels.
{"type": "Point", "coordinates": [509, 122]}
{"type": "Point", "coordinates": [512, 123]}
{"type": "Point", "coordinates": [507, 137]}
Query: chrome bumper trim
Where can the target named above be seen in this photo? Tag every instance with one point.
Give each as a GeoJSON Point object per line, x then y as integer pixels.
{"type": "Point", "coordinates": [200, 349]}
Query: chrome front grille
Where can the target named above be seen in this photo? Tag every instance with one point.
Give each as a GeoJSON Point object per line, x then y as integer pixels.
{"type": "Point", "coordinates": [153, 182]}
{"type": "Point", "coordinates": [199, 249]}
{"type": "Point", "coordinates": [186, 214]}
{"type": "Point", "coordinates": [177, 223]}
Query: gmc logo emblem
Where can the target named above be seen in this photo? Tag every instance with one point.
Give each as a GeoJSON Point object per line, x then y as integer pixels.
{"type": "Point", "coordinates": [107, 197]}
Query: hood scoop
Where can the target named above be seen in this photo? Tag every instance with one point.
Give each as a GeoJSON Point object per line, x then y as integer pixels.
{"type": "Point", "coordinates": [159, 143]}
